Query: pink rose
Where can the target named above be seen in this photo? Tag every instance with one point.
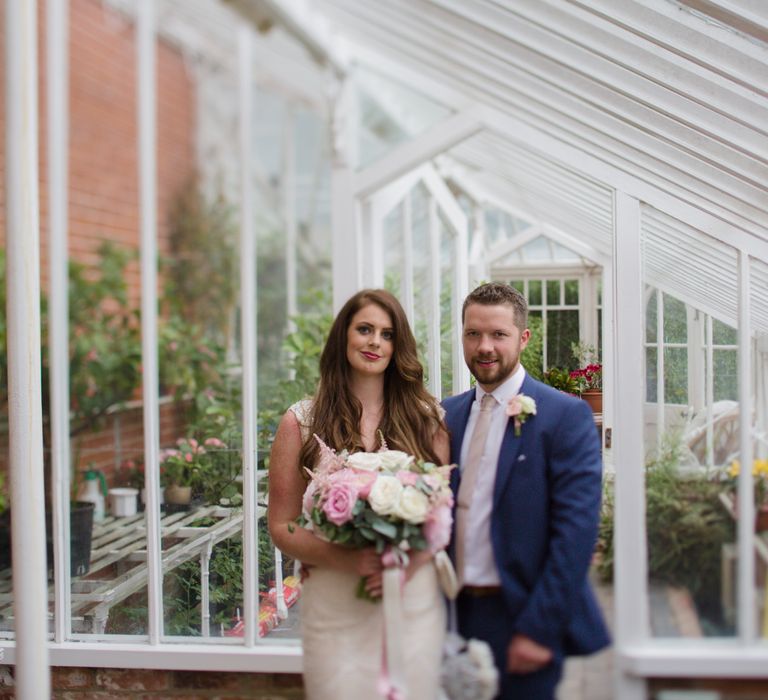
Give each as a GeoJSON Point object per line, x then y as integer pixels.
{"type": "Point", "coordinates": [437, 528]}
{"type": "Point", "coordinates": [340, 500]}
{"type": "Point", "coordinates": [407, 478]}
{"type": "Point", "coordinates": [365, 481]}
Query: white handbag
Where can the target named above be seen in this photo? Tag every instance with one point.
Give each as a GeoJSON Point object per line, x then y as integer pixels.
{"type": "Point", "coordinates": [467, 671]}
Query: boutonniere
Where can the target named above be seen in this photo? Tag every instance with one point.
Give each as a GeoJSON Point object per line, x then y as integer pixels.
{"type": "Point", "coordinates": [520, 407]}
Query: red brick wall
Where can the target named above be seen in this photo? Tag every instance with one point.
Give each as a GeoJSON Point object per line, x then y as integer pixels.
{"type": "Point", "coordinates": [122, 437]}
{"type": "Point", "coordinates": [92, 683]}
{"type": "Point", "coordinates": [103, 164]}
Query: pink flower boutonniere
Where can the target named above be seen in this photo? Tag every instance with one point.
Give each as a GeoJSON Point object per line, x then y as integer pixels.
{"type": "Point", "coordinates": [520, 407]}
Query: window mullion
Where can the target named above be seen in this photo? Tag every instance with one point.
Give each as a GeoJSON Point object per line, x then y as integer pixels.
{"type": "Point", "coordinates": [58, 343]}
{"type": "Point", "coordinates": [660, 398]}
{"type": "Point", "coordinates": [709, 388]}
{"type": "Point", "coordinates": [147, 111]}
{"type": "Point", "coordinates": [745, 495]}
{"type": "Point", "coordinates": [248, 339]}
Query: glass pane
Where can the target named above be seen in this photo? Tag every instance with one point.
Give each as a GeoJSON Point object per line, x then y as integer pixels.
{"type": "Point", "coordinates": [446, 315]}
{"type": "Point", "coordinates": [690, 533]}
{"type": "Point", "coordinates": [758, 403]}
{"type": "Point", "coordinates": [106, 520]}
{"type": "Point", "coordinates": [535, 293]}
{"type": "Point", "coordinates": [676, 375]}
{"type": "Point", "coordinates": [675, 320]}
{"type": "Point", "coordinates": [651, 375]}
{"type": "Point", "coordinates": [562, 330]}
{"type": "Point", "coordinates": [723, 334]}
{"type": "Point", "coordinates": [571, 291]}
{"type": "Point", "coordinates": [553, 292]}
{"type": "Point", "coordinates": [519, 285]}
{"type": "Point", "coordinates": [725, 375]}
{"type": "Point", "coordinates": [394, 253]}
{"type": "Point", "coordinates": [651, 317]}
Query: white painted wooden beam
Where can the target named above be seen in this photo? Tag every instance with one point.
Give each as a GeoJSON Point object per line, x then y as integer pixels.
{"type": "Point", "coordinates": [146, 104]}
{"type": "Point", "coordinates": [414, 153]}
{"type": "Point", "coordinates": [25, 411]}
{"type": "Point", "coordinates": [630, 545]}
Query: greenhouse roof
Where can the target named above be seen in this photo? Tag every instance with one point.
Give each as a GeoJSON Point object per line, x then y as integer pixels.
{"type": "Point", "coordinates": [565, 100]}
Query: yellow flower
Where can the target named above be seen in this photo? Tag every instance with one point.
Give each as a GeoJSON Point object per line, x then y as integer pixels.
{"type": "Point", "coordinates": [759, 468]}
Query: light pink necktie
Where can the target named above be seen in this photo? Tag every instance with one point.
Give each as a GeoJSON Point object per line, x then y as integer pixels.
{"type": "Point", "coordinates": [469, 477]}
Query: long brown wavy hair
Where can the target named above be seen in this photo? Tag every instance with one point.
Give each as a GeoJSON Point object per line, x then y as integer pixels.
{"type": "Point", "coordinates": [410, 419]}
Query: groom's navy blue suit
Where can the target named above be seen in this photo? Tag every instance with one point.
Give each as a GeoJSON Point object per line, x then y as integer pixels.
{"type": "Point", "coordinates": [546, 503]}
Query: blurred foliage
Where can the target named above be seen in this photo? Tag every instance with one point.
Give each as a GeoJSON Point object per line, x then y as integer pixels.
{"type": "Point", "coordinates": [532, 357]}
{"type": "Point", "coordinates": [105, 342]}
{"type": "Point", "coordinates": [201, 273]}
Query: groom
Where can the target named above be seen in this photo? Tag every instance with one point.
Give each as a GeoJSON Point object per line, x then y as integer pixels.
{"type": "Point", "coordinates": [528, 501]}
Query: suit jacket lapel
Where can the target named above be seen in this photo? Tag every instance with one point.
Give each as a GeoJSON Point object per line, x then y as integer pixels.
{"type": "Point", "coordinates": [510, 445]}
{"type": "Point", "coordinates": [457, 425]}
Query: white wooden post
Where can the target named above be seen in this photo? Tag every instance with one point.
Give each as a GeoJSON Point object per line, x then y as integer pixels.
{"type": "Point", "coordinates": [630, 545]}
{"type": "Point", "coordinates": [25, 411]}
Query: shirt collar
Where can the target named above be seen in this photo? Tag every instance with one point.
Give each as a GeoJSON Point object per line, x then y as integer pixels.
{"type": "Point", "coordinates": [505, 391]}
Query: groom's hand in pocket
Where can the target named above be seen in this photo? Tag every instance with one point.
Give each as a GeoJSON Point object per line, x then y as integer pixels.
{"type": "Point", "coordinates": [526, 656]}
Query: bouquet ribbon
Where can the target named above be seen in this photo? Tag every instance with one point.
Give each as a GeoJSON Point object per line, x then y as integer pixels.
{"type": "Point", "coordinates": [392, 683]}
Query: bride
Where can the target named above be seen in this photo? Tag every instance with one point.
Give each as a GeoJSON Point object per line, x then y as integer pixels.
{"type": "Point", "coordinates": [371, 385]}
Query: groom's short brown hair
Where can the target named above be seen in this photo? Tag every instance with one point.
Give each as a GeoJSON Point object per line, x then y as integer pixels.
{"type": "Point", "coordinates": [497, 294]}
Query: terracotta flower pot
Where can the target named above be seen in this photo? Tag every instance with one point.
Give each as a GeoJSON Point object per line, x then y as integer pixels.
{"type": "Point", "coordinates": [594, 397]}
{"type": "Point", "coordinates": [179, 495]}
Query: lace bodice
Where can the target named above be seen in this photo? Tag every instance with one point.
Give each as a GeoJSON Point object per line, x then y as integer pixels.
{"type": "Point", "coordinates": [303, 412]}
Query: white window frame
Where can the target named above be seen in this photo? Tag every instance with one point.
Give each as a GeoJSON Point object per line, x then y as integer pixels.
{"type": "Point", "coordinates": [587, 307]}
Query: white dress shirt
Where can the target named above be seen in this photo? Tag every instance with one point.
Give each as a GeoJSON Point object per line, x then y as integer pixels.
{"type": "Point", "coordinates": [479, 565]}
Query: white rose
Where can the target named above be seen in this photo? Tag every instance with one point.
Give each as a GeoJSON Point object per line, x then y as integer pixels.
{"type": "Point", "coordinates": [394, 460]}
{"type": "Point", "coordinates": [528, 405]}
{"type": "Point", "coordinates": [385, 494]}
{"type": "Point", "coordinates": [413, 505]}
{"type": "Point", "coordinates": [365, 461]}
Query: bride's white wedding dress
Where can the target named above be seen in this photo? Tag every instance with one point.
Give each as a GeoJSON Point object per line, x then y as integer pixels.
{"type": "Point", "coordinates": [342, 635]}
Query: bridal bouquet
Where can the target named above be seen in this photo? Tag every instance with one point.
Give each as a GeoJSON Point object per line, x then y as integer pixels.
{"type": "Point", "coordinates": [385, 499]}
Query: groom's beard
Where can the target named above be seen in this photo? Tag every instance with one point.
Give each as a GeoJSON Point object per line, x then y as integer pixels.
{"type": "Point", "coordinates": [495, 373]}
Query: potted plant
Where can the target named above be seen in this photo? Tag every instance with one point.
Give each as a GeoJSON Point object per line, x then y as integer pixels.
{"type": "Point", "coordinates": [560, 378]}
{"type": "Point", "coordinates": [179, 467]}
{"type": "Point", "coordinates": [589, 376]}
{"type": "Point", "coordinates": [195, 469]}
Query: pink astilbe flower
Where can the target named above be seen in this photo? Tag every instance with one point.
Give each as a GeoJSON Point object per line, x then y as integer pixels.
{"type": "Point", "coordinates": [328, 460]}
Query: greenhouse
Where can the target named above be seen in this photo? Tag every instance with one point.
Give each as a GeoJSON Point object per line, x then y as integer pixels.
{"type": "Point", "coordinates": [194, 187]}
